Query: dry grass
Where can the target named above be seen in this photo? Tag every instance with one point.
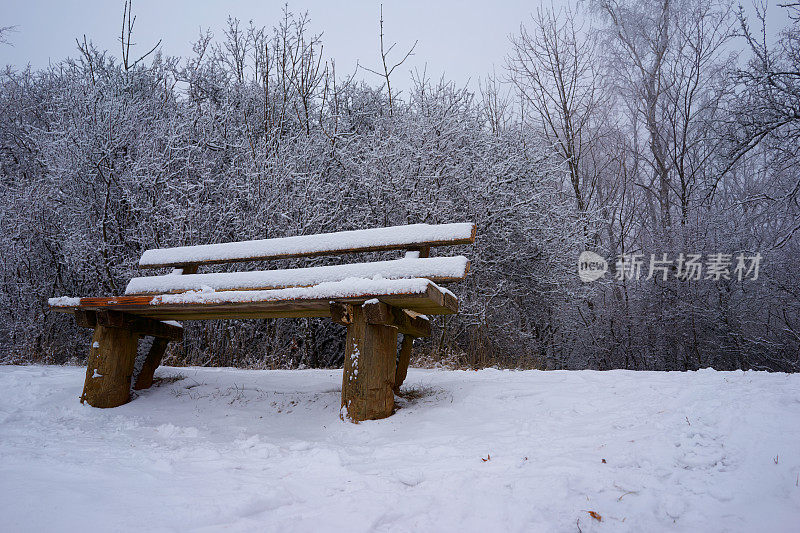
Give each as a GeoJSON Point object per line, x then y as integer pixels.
{"type": "Point", "coordinates": [414, 394]}
{"type": "Point", "coordinates": [166, 380]}
{"type": "Point", "coordinates": [460, 360]}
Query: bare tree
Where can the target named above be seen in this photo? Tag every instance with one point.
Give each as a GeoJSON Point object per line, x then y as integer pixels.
{"type": "Point", "coordinates": [554, 68]}
{"type": "Point", "coordinates": [669, 61]}
{"type": "Point", "coordinates": [497, 106]}
{"type": "Point", "coordinates": [126, 34]}
{"type": "Point", "coordinates": [4, 31]}
{"type": "Point", "coordinates": [388, 67]}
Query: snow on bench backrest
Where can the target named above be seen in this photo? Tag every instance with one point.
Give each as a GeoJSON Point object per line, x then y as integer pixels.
{"type": "Point", "coordinates": [437, 269]}
{"type": "Point", "coordinates": [367, 240]}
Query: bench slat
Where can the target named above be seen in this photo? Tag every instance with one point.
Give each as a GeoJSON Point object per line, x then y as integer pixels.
{"type": "Point", "coordinates": [419, 295]}
{"type": "Point", "coordinates": [436, 269]}
{"type": "Point", "coordinates": [418, 236]}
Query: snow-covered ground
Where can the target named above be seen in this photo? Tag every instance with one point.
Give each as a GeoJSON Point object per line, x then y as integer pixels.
{"type": "Point", "coordinates": [236, 450]}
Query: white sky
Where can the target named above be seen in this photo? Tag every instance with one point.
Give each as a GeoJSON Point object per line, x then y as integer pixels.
{"type": "Point", "coordinates": [461, 39]}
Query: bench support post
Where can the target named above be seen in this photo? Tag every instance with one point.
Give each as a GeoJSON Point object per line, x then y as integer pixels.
{"type": "Point", "coordinates": [110, 366]}
{"type": "Point", "coordinates": [145, 378]}
{"type": "Point", "coordinates": [369, 369]}
{"type": "Point", "coordinates": [403, 359]}
{"type": "Point", "coordinates": [113, 354]}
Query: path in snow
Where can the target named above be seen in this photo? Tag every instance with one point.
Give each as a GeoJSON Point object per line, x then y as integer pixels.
{"type": "Point", "coordinates": [264, 450]}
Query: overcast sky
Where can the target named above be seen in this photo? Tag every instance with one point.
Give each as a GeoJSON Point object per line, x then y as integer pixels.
{"type": "Point", "coordinates": [461, 39]}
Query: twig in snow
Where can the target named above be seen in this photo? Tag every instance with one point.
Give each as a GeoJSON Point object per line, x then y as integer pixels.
{"type": "Point", "coordinates": [625, 492]}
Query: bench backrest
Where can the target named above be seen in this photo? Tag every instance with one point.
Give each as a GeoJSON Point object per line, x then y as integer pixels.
{"type": "Point", "coordinates": [412, 237]}
{"type": "Point", "coordinates": [416, 238]}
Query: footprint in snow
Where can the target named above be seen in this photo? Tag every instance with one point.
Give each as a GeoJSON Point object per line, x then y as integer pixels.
{"type": "Point", "coordinates": [410, 478]}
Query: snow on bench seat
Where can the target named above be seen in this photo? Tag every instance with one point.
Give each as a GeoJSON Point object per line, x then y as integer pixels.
{"type": "Point", "coordinates": [437, 269]}
{"type": "Point", "coordinates": [367, 240]}
{"type": "Point", "coordinates": [416, 294]}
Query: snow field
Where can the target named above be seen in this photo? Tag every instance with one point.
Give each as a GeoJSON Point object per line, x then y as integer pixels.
{"type": "Point", "coordinates": [238, 450]}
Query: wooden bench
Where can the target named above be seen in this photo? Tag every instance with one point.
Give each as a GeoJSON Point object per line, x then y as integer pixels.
{"type": "Point", "coordinates": [375, 300]}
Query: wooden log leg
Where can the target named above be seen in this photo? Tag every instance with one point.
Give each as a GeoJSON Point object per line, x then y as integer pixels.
{"type": "Point", "coordinates": [369, 369]}
{"type": "Point", "coordinates": [403, 358]}
{"type": "Point", "coordinates": [145, 378]}
{"type": "Point", "coordinates": [110, 366]}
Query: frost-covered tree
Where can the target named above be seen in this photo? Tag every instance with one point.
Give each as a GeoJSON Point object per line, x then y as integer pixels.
{"type": "Point", "coordinates": [640, 136]}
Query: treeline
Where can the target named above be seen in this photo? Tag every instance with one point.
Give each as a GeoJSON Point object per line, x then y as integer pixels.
{"type": "Point", "coordinates": [643, 135]}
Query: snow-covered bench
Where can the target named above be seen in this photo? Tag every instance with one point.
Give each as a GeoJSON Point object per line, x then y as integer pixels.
{"type": "Point", "coordinates": [375, 300]}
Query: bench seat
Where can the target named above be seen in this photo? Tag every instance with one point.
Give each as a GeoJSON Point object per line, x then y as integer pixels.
{"type": "Point", "coordinates": [419, 295]}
